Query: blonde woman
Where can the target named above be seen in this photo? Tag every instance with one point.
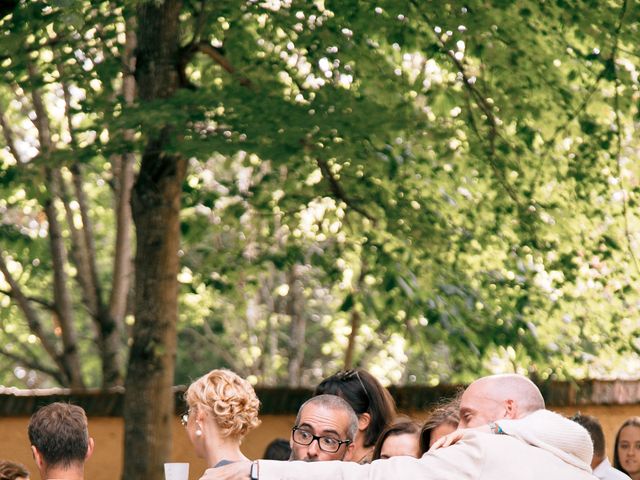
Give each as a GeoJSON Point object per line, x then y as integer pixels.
{"type": "Point", "coordinates": [223, 408]}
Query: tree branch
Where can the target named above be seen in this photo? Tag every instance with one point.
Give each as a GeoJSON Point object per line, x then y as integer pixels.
{"type": "Point", "coordinates": [356, 318]}
{"type": "Point", "coordinates": [484, 106]}
{"type": "Point", "coordinates": [87, 231]}
{"type": "Point", "coordinates": [78, 252]}
{"type": "Point", "coordinates": [33, 364]}
{"type": "Point", "coordinates": [123, 183]}
{"type": "Point", "coordinates": [201, 22]}
{"type": "Point", "coordinates": [10, 138]}
{"type": "Point", "coordinates": [83, 238]}
{"type": "Point", "coordinates": [70, 355]}
{"type": "Point", "coordinates": [218, 57]}
{"type": "Point", "coordinates": [32, 317]}
{"type": "Point", "coordinates": [40, 301]}
{"type": "Point", "coordinates": [338, 191]}
{"type": "Point", "coordinates": [213, 338]}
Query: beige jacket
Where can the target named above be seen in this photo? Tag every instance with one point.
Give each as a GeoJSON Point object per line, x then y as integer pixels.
{"type": "Point", "coordinates": [479, 456]}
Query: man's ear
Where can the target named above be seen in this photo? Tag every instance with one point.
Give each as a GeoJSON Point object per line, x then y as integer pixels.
{"type": "Point", "coordinates": [511, 409]}
{"type": "Point", "coordinates": [364, 419]}
{"type": "Point", "coordinates": [291, 442]}
{"type": "Point", "coordinates": [89, 449]}
{"type": "Point", "coordinates": [348, 453]}
{"type": "Point", "coordinates": [37, 457]}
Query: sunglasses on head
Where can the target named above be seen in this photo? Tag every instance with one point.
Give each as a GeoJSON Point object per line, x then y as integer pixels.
{"type": "Point", "coordinates": [347, 375]}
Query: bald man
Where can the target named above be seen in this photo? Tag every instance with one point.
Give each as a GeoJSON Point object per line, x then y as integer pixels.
{"type": "Point", "coordinates": [499, 396]}
{"type": "Point", "coordinates": [479, 455]}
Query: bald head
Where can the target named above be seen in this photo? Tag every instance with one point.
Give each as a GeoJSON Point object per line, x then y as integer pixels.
{"type": "Point", "coordinates": [498, 396]}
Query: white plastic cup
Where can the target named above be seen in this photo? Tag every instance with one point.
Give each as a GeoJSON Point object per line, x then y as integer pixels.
{"type": "Point", "coordinates": [176, 471]}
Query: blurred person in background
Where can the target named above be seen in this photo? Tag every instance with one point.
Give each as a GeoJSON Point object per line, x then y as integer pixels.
{"type": "Point", "coordinates": [372, 403]}
{"type": "Point", "coordinates": [400, 438]}
{"type": "Point", "coordinates": [13, 471]}
{"type": "Point", "coordinates": [278, 449]}
{"type": "Point", "coordinates": [223, 408]}
{"type": "Point", "coordinates": [600, 463]}
{"type": "Point", "coordinates": [440, 422]}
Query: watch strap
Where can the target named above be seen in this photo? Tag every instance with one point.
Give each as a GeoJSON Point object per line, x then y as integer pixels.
{"type": "Point", "coordinates": [253, 472]}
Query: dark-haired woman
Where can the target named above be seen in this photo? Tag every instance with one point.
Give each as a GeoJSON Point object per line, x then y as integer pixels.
{"type": "Point", "coordinates": [402, 437]}
{"type": "Point", "coordinates": [626, 454]}
{"type": "Point", "coordinates": [369, 399]}
{"type": "Point", "coordinates": [440, 422]}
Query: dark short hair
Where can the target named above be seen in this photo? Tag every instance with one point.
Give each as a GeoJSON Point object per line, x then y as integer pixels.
{"type": "Point", "coordinates": [59, 432]}
{"type": "Point", "coordinates": [592, 425]}
{"type": "Point", "coordinates": [365, 394]}
{"type": "Point", "coordinates": [445, 413]}
{"type": "Point", "coordinates": [336, 403]}
{"type": "Point", "coordinates": [11, 470]}
{"type": "Point", "coordinates": [278, 449]}
{"type": "Point", "coordinates": [629, 422]}
{"type": "Point", "coordinates": [401, 426]}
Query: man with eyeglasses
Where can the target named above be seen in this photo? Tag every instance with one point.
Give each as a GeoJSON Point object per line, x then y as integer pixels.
{"type": "Point", "coordinates": [325, 429]}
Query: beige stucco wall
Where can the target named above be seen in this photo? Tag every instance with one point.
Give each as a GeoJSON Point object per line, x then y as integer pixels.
{"type": "Point", "coordinates": [106, 463]}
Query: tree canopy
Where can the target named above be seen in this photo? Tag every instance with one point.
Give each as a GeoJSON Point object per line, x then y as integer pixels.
{"type": "Point", "coordinates": [431, 190]}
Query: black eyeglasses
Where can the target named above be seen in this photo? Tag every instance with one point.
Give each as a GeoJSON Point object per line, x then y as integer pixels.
{"type": "Point", "coordinates": [326, 444]}
{"type": "Point", "coordinates": [347, 375]}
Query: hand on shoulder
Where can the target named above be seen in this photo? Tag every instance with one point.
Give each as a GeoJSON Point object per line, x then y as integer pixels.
{"type": "Point", "coordinates": [457, 435]}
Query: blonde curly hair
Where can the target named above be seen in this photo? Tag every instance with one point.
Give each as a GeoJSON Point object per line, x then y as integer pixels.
{"type": "Point", "coordinates": [230, 398]}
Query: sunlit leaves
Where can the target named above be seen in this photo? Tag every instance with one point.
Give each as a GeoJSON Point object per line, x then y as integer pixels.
{"type": "Point", "coordinates": [464, 177]}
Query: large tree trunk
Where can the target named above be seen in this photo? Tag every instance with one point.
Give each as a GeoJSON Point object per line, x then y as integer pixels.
{"type": "Point", "coordinates": [149, 405]}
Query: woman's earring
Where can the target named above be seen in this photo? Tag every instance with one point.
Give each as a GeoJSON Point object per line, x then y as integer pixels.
{"type": "Point", "coordinates": [198, 431]}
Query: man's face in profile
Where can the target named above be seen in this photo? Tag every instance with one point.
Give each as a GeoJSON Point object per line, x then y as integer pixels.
{"type": "Point", "coordinates": [479, 407]}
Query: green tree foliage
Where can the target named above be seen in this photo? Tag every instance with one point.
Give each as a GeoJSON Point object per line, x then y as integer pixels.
{"type": "Point", "coordinates": [57, 226]}
{"type": "Point", "coordinates": [429, 189]}
{"type": "Point", "coordinates": [476, 159]}
{"type": "Point", "coordinates": [438, 188]}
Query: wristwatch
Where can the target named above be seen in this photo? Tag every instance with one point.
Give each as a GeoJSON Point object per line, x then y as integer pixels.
{"type": "Point", "coordinates": [253, 473]}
